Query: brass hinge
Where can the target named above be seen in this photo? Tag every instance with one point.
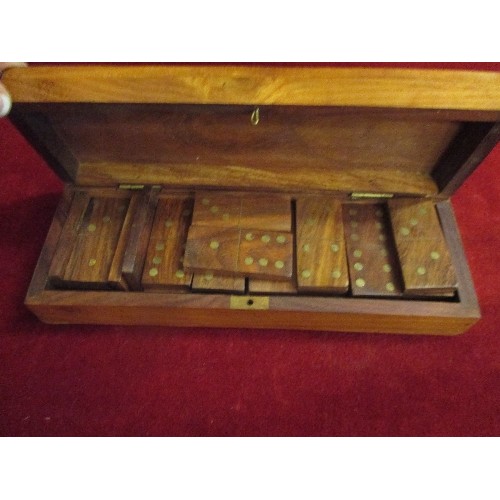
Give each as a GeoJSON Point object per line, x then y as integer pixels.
{"type": "Point", "coordinates": [133, 187]}
{"type": "Point", "coordinates": [362, 196]}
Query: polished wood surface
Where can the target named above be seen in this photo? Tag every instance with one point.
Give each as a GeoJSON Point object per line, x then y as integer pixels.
{"type": "Point", "coordinates": [87, 249]}
{"type": "Point", "coordinates": [311, 313]}
{"type": "Point", "coordinates": [208, 282]}
{"type": "Point", "coordinates": [226, 84]}
{"type": "Point", "coordinates": [239, 252]}
{"type": "Point", "coordinates": [423, 253]}
{"type": "Point", "coordinates": [254, 211]}
{"type": "Point", "coordinates": [373, 266]}
{"type": "Point", "coordinates": [272, 287]}
{"type": "Point", "coordinates": [164, 267]}
{"type": "Point", "coordinates": [269, 178]}
{"type": "Point", "coordinates": [138, 240]}
{"type": "Point", "coordinates": [321, 131]}
{"type": "Point", "coordinates": [288, 137]}
{"type": "Point", "coordinates": [321, 257]}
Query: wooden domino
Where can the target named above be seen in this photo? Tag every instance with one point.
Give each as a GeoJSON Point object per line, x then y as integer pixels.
{"type": "Point", "coordinates": [89, 241]}
{"type": "Point", "coordinates": [239, 252]}
{"type": "Point", "coordinates": [423, 253]}
{"type": "Point", "coordinates": [164, 268]}
{"type": "Point", "coordinates": [373, 266]}
{"type": "Point", "coordinates": [266, 212]}
{"type": "Point", "coordinates": [321, 258]}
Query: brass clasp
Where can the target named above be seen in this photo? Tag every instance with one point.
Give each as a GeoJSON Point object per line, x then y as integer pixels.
{"type": "Point", "coordinates": [255, 118]}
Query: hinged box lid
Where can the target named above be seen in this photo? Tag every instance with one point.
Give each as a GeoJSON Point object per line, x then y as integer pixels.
{"type": "Point", "coordinates": [378, 132]}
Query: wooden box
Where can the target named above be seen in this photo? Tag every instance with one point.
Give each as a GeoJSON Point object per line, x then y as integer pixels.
{"type": "Point", "coordinates": [262, 197]}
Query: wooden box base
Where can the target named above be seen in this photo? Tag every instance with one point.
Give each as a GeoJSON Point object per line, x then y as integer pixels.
{"type": "Point", "coordinates": [304, 311]}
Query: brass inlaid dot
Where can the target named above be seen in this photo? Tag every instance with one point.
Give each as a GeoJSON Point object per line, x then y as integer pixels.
{"type": "Point", "coordinates": [280, 239]}
{"type": "Point", "coordinates": [91, 228]}
{"type": "Point", "coordinates": [306, 273]}
{"type": "Point", "coordinates": [310, 221]}
{"type": "Point", "coordinates": [379, 225]}
{"type": "Point", "coordinates": [334, 247]}
{"type": "Point", "coordinates": [354, 224]}
{"type": "Point", "coordinates": [381, 237]}
{"type": "Point", "coordinates": [360, 282]}
{"type": "Point", "coordinates": [279, 264]}
{"type": "Point", "coordinates": [106, 219]}
{"type": "Point", "coordinates": [92, 262]}
{"type": "Point", "coordinates": [169, 223]}
{"type": "Point", "coordinates": [248, 261]}
{"type": "Point", "coordinates": [266, 238]}
{"type": "Point", "coordinates": [405, 231]}
{"type": "Point", "coordinates": [422, 211]}
{"type": "Point", "coordinates": [336, 274]}
{"type": "Point", "coordinates": [225, 216]}
{"type": "Point", "coordinates": [306, 248]}
{"type": "Point", "coordinates": [214, 245]}
{"type": "Point", "coordinates": [153, 272]}
{"type": "Point", "coordinates": [353, 211]}
{"type": "Point", "coordinates": [160, 246]}
{"type": "Point", "coordinates": [390, 287]}
{"type": "Point", "coordinates": [413, 222]}
{"type": "Point", "coordinates": [157, 260]}
{"type": "Point", "coordinates": [421, 271]}
{"type": "Point", "coordinates": [383, 252]}
{"type": "Point", "coordinates": [358, 266]}
{"type": "Point", "coordinates": [214, 209]}
{"type": "Point", "coordinates": [179, 274]}
{"type": "Point", "coordinates": [209, 276]}
{"type": "Point", "coordinates": [205, 201]}
{"type": "Point", "coordinates": [435, 255]}
{"type": "Point", "coordinates": [357, 253]}
{"type": "Point", "coordinates": [263, 262]}
{"type": "Point", "coordinates": [387, 268]}
{"type": "Point", "coordinates": [354, 237]}
{"type": "Point", "coordinates": [379, 213]}
{"type": "Point", "coordinates": [249, 236]}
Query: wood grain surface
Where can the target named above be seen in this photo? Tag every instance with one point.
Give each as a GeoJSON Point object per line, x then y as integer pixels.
{"type": "Point", "coordinates": [393, 88]}
{"type": "Point", "coordinates": [373, 265]}
{"type": "Point", "coordinates": [321, 257]}
{"type": "Point", "coordinates": [423, 253]}
{"type": "Point", "coordinates": [164, 267]}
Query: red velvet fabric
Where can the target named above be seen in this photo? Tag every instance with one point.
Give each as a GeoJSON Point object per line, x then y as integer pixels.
{"type": "Point", "coordinates": [152, 381]}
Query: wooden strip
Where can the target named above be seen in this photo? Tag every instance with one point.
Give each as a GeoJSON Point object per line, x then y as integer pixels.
{"type": "Point", "coordinates": [423, 253]}
{"type": "Point", "coordinates": [269, 176]}
{"type": "Point", "coordinates": [321, 259]}
{"type": "Point", "coordinates": [373, 265]}
{"type": "Point", "coordinates": [209, 282]}
{"type": "Point", "coordinates": [39, 132]}
{"type": "Point", "coordinates": [272, 287]}
{"type": "Point", "coordinates": [67, 239]}
{"type": "Point", "coordinates": [164, 268]}
{"type": "Point", "coordinates": [226, 84]}
{"type": "Point", "coordinates": [115, 277]}
{"type": "Point", "coordinates": [135, 251]}
{"type": "Point", "coordinates": [469, 148]}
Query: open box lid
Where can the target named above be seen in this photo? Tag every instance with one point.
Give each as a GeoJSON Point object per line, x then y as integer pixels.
{"type": "Point", "coordinates": [346, 130]}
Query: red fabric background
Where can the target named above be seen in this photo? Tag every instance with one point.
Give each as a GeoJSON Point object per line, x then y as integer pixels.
{"type": "Point", "coordinates": [99, 380]}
